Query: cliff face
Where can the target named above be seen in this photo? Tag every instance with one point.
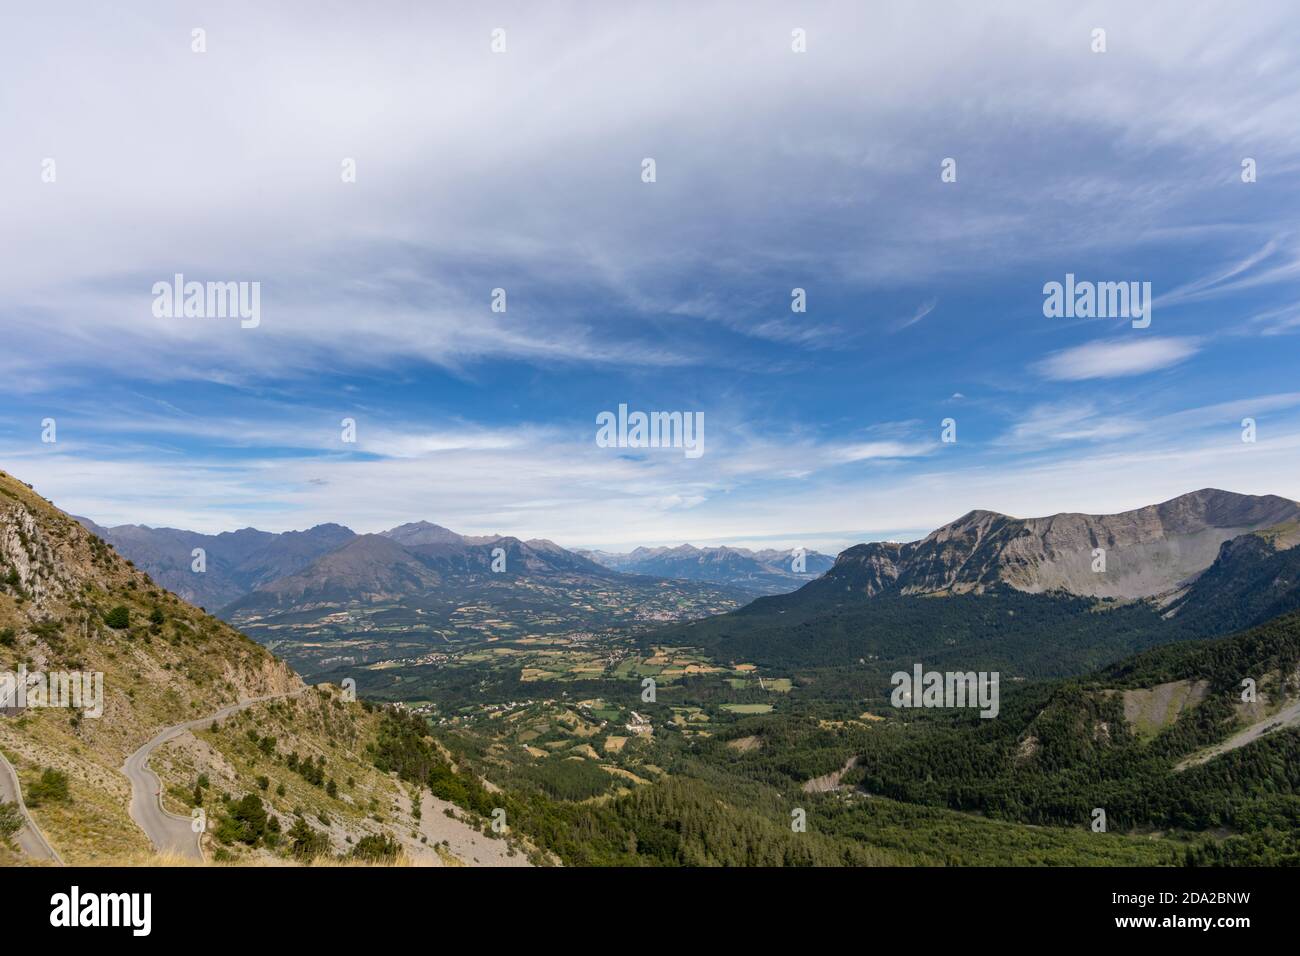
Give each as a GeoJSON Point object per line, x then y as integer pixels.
{"type": "Point", "coordinates": [1149, 551]}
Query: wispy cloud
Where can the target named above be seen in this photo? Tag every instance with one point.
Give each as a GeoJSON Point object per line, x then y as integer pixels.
{"type": "Point", "coordinates": [922, 311]}
{"type": "Point", "coordinates": [1057, 423]}
{"type": "Point", "coordinates": [1115, 359]}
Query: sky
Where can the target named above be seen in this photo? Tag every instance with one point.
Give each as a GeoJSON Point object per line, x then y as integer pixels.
{"type": "Point", "coordinates": [127, 157]}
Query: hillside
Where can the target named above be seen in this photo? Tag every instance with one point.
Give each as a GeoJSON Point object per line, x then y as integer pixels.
{"type": "Point", "coordinates": [1256, 577]}
{"type": "Point", "coordinates": [162, 661]}
{"type": "Point", "coordinates": [1166, 740]}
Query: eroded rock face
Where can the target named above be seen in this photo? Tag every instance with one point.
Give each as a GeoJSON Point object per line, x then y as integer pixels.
{"type": "Point", "coordinates": [27, 551]}
{"type": "Point", "coordinates": [1147, 552]}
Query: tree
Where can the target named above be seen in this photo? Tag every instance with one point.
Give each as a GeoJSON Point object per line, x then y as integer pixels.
{"type": "Point", "coordinates": [306, 842]}
{"type": "Point", "coordinates": [246, 822]}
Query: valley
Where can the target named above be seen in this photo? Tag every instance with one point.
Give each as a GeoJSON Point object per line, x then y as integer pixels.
{"type": "Point", "coordinates": [320, 639]}
{"type": "Point", "coordinates": [564, 713]}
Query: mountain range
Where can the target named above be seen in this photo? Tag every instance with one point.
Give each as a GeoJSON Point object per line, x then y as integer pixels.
{"type": "Point", "coordinates": [328, 596]}
{"type": "Point", "coordinates": [373, 568]}
{"type": "Point", "coordinates": [769, 571]}
{"type": "Point", "coordinates": [249, 568]}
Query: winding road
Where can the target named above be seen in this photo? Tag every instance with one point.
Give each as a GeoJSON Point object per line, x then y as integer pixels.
{"type": "Point", "coordinates": [29, 837]}
{"type": "Point", "coordinates": [168, 832]}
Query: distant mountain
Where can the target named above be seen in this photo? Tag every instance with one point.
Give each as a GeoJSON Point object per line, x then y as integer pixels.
{"type": "Point", "coordinates": [422, 532]}
{"type": "Point", "coordinates": [769, 571]}
{"type": "Point", "coordinates": [236, 561]}
{"type": "Point", "coordinates": [1147, 552]}
{"type": "Point", "coordinates": [369, 568]}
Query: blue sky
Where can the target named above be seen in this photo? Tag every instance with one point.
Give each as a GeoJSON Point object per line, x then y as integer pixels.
{"type": "Point", "coordinates": [522, 170]}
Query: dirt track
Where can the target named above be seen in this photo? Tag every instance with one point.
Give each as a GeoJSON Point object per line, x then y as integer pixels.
{"type": "Point", "coordinates": [1288, 716]}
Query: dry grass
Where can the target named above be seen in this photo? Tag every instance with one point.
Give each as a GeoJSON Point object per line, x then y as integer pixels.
{"type": "Point", "coordinates": [172, 859]}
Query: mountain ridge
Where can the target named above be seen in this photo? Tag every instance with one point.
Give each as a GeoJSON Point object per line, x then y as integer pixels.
{"type": "Point", "coordinates": [1148, 551]}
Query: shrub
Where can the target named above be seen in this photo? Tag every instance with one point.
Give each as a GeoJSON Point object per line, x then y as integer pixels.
{"type": "Point", "coordinates": [53, 786]}
{"type": "Point", "coordinates": [11, 821]}
{"type": "Point", "coordinates": [119, 619]}
{"type": "Point", "coordinates": [376, 847]}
